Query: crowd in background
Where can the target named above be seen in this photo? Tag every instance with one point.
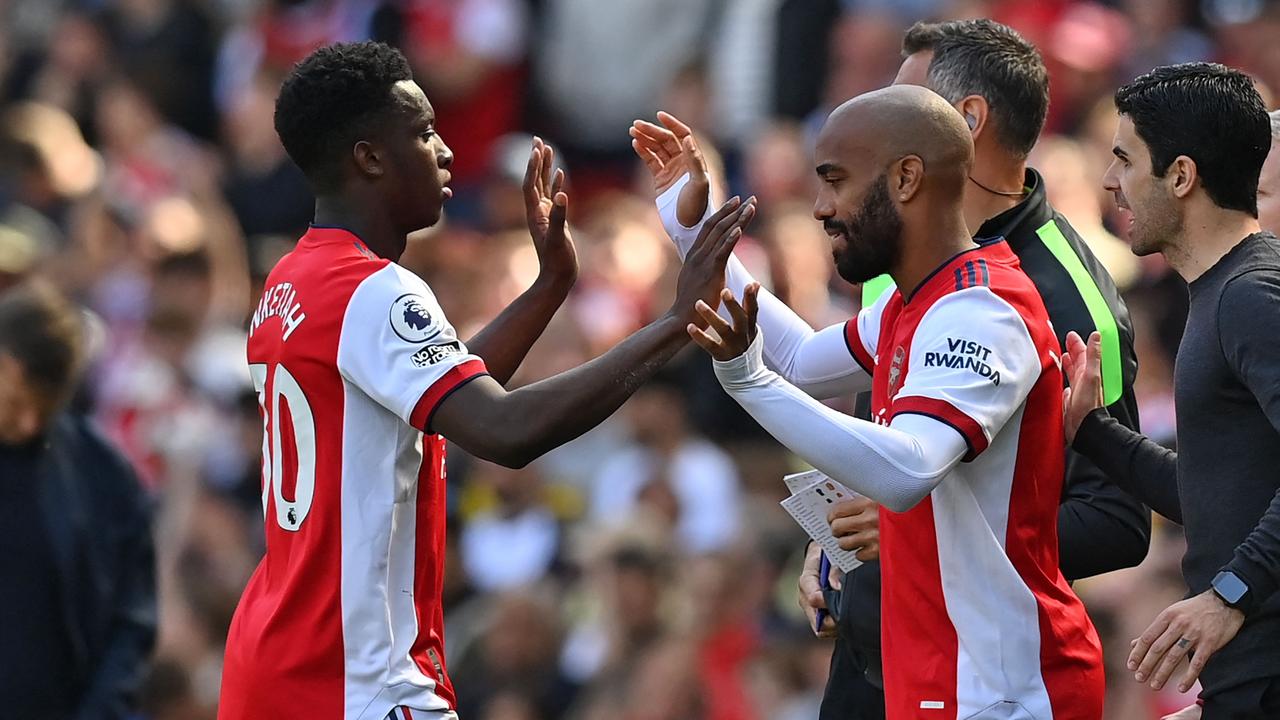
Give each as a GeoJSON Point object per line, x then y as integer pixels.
{"type": "Point", "coordinates": [645, 571]}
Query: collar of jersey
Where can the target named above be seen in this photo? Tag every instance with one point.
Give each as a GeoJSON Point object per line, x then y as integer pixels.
{"type": "Point", "coordinates": [993, 248]}
{"type": "Point", "coordinates": [324, 234]}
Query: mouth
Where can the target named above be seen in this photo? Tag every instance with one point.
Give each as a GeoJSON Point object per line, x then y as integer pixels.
{"type": "Point", "coordinates": [1126, 212]}
{"type": "Point", "coordinates": [445, 190]}
{"type": "Point", "coordinates": [839, 239]}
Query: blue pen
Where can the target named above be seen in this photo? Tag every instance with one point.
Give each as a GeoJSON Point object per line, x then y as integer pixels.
{"type": "Point", "coordinates": [824, 576]}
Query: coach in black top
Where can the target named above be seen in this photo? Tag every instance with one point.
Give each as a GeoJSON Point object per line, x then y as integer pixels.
{"type": "Point", "coordinates": [77, 568]}
{"type": "Point", "coordinates": [1188, 150]}
{"type": "Point", "coordinates": [999, 83]}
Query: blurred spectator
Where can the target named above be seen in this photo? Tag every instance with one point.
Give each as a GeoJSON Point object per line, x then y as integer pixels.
{"type": "Point", "coordinates": [671, 472]}
{"type": "Point", "coordinates": [75, 533]}
{"type": "Point", "coordinates": [266, 191]}
{"type": "Point", "coordinates": [516, 542]}
{"type": "Point", "coordinates": [167, 47]}
{"type": "Point", "coordinates": [584, 51]}
{"type": "Point", "coordinates": [514, 661]}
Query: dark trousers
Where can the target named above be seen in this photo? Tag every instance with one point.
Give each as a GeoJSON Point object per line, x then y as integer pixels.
{"type": "Point", "coordinates": [849, 695]}
{"type": "Point", "coordinates": [1253, 700]}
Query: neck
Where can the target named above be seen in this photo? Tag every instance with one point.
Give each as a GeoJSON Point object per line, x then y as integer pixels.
{"type": "Point", "coordinates": [1206, 238]}
{"type": "Point", "coordinates": [927, 247]}
{"type": "Point", "coordinates": [990, 173]}
{"type": "Point", "coordinates": [373, 228]}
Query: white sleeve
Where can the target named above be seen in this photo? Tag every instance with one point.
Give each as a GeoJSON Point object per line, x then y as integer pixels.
{"type": "Point", "coordinates": [897, 466]}
{"type": "Point", "coordinates": [972, 364]}
{"type": "Point", "coordinates": [816, 362]}
{"type": "Point", "coordinates": [398, 347]}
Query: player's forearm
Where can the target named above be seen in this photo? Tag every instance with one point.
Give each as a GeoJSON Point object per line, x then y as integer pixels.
{"type": "Point", "coordinates": [1140, 466]}
{"type": "Point", "coordinates": [547, 414]}
{"type": "Point", "coordinates": [806, 359]}
{"type": "Point", "coordinates": [1101, 527]}
{"type": "Point", "coordinates": [895, 466]}
{"type": "Point", "coordinates": [504, 342]}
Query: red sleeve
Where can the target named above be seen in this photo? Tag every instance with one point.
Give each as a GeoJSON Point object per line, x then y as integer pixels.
{"type": "Point", "coordinates": [857, 348]}
{"type": "Point", "coordinates": [456, 377]}
{"type": "Point", "coordinates": [943, 411]}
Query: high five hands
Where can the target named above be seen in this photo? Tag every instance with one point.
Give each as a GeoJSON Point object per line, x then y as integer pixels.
{"type": "Point", "coordinates": [545, 207]}
{"type": "Point", "coordinates": [701, 281]}
{"type": "Point", "coordinates": [1082, 366]}
{"type": "Point", "coordinates": [669, 151]}
{"type": "Point", "coordinates": [728, 341]}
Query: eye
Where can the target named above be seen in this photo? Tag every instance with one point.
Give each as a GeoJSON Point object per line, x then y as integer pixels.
{"type": "Point", "coordinates": [427, 135]}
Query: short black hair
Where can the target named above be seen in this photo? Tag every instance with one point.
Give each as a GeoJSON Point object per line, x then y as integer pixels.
{"type": "Point", "coordinates": [43, 331]}
{"type": "Point", "coordinates": [985, 58]}
{"type": "Point", "coordinates": [328, 100]}
{"type": "Point", "coordinates": [1211, 113]}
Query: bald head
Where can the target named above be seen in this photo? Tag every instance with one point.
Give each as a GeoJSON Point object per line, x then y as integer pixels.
{"type": "Point", "coordinates": [889, 160]}
{"type": "Point", "coordinates": [879, 128]}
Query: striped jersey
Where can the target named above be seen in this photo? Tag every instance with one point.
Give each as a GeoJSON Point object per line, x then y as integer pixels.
{"type": "Point", "coordinates": [350, 354]}
{"type": "Point", "coordinates": [977, 618]}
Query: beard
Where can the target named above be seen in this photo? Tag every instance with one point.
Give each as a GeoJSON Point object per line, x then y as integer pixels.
{"type": "Point", "coordinates": [873, 236]}
{"type": "Point", "coordinates": [1158, 225]}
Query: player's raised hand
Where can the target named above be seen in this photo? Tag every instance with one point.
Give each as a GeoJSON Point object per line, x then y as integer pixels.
{"type": "Point", "coordinates": [669, 151]}
{"type": "Point", "coordinates": [545, 206]}
{"type": "Point", "coordinates": [702, 276]}
{"type": "Point", "coordinates": [1082, 366]}
{"type": "Point", "coordinates": [729, 341]}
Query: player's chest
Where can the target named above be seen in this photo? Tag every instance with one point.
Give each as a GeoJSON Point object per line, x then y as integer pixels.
{"type": "Point", "coordinates": [893, 355]}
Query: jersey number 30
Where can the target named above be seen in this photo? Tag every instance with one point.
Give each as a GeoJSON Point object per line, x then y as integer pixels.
{"type": "Point", "coordinates": [289, 513]}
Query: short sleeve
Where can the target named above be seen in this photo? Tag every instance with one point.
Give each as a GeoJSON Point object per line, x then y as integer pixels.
{"type": "Point", "coordinates": [398, 347]}
{"type": "Point", "coordinates": [972, 364]}
{"type": "Point", "coordinates": [862, 333]}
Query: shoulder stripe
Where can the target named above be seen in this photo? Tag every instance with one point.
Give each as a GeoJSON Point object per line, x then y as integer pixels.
{"type": "Point", "coordinates": [1103, 319]}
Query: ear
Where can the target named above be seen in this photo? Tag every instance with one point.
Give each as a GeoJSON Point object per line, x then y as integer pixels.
{"type": "Point", "coordinates": [975, 110]}
{"type": "Point", "coordinates": [367, 158]}
{"type": "Point", "coordinates": [1182, 175]}
{"type": "Point", "coordinates": [906, 177]}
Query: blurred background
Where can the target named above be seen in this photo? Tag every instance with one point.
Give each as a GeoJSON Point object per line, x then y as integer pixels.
{"type": "Point", "coordinates": [644, 572]}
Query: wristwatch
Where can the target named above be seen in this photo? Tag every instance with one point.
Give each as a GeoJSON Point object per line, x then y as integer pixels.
{"type": "Point", "coordinates": [1233, 590]}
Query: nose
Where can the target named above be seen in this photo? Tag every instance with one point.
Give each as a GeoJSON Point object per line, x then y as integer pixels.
{"type": "Point", "coordinates": [822, 208]}
{"type": "Point", "coordinates": [444, 156]}
{"type": "Point", "coordinates": [1110, 178]}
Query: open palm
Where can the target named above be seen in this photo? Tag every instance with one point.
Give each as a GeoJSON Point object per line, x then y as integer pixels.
{"type": "Point", "coordinates": [669, 151]}
{"type": "Point", "coordinates": [546, 205]}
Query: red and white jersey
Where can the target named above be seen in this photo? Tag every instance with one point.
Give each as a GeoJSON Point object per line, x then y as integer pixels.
{"type": "Point", "coordinates": [351, 354]}
{"type": "Point", "coordinates": [978, 621]}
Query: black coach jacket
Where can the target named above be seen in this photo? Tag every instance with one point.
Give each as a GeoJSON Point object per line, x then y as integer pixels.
{"type": "Point", "coordinates": [98, 524]}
